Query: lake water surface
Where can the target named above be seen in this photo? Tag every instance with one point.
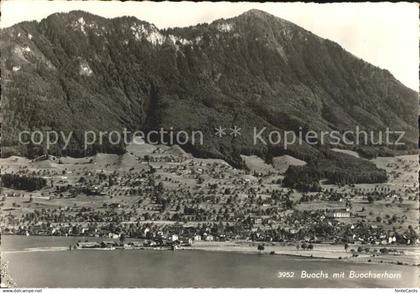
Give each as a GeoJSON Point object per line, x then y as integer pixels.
{"type": "Point", "coordinates": [32, 266]}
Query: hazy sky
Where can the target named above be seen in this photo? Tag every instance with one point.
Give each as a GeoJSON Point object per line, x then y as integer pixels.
{"type": "Point", "coordinates": [384, 34]}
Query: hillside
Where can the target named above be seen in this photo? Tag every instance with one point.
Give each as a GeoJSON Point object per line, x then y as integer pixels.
{"type": "Point", "coordinates": [78, 72]}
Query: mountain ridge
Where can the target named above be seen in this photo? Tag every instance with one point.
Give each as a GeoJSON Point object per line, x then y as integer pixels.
{"type": "Point", "coordinates": [253, 70]}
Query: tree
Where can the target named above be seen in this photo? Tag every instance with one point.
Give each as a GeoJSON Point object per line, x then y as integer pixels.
{"type": "Point", "coordinates": [346, 246]}
{"type": "Point", "coordinates": [28, 183]}
{"type": "Point", "coordinates": [122, 237]}
{"type": "Point", "coordinates": [159, 188]}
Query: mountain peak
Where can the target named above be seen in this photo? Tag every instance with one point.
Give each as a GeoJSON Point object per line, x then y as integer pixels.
{"type": "Point", "coordinates": [257, 13]}
{"type": "Point", "coordinates": [256, 17]}
{"type": "Point", "coordinates": [73, 14]}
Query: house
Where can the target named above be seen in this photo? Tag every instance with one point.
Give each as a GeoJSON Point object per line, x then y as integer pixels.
{"type": "Point", "coordinates": [88, 245]}
{"type": "Point", "coordinates": [209, 238]}
{"type": "Point", "coordinates": [258, 221]}
{"type": "Point", "coordinates": [197, 237]}
{"type": "Point", "coordinates": [338, 213]}
{"type": "Point", "coordinates": [113, 236]}
{"type": "Point", "coordinates": [108, 244]}
{"type": "Point", "coordinates": [134, 244]}
{"type": "Point", "coordinates": [341, 215]}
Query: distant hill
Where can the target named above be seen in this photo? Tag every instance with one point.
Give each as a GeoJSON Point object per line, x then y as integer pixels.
{"type": "Point", "coordinates": [77, 71]}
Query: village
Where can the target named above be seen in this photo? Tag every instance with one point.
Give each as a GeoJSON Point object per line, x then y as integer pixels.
{"type": "Point", "coordinates": [162, 197]}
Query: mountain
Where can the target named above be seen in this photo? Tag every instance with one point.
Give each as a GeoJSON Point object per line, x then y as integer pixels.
{"type": "Point", "coordinates": [78, 71]}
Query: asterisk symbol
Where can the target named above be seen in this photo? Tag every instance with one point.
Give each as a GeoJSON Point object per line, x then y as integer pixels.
{"type": "Point", "coordinates": [235, 131]}
{"type": "Point", "coordinates": [220, 131]}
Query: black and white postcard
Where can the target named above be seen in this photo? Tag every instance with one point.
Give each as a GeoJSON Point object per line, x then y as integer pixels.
{"type": "Point", "coordinates": [209, 145]}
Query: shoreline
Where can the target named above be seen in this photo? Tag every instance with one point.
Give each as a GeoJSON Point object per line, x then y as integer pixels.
{"type": "Point", "coordinates": [320, 251]}
{"type": "Point", "coordinates": [410, 255]}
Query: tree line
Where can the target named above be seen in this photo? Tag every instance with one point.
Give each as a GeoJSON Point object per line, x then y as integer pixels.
{"type": "Point", "coordinates": [20, 182]}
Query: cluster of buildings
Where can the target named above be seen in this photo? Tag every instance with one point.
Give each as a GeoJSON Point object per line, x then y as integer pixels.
{"type": "Point", "coordinates": [192, 199]}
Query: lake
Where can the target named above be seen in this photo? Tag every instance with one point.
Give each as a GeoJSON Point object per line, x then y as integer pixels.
{"type": "Point", "coordinates": [32, 266]}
